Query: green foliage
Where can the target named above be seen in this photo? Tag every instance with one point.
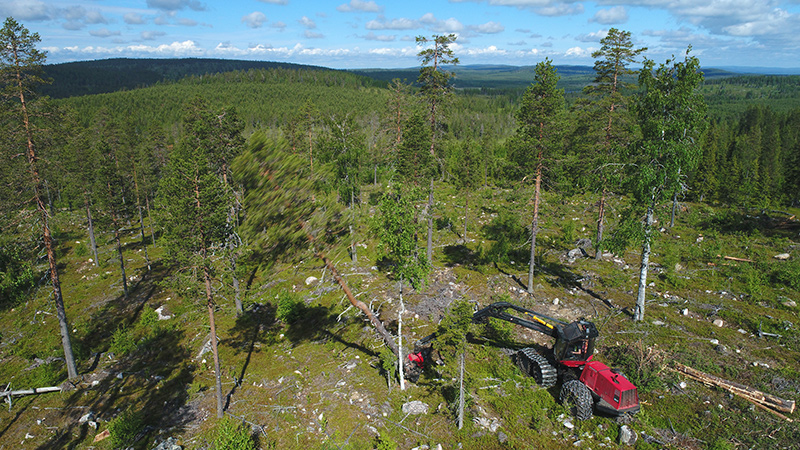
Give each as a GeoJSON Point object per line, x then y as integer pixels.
{"type": "Point", "coordinates": [289, 307]}
{"type": "Point", "coordinates": [16, 275]}
{"type": "Point", "coordinates": [507, 237]}
{"type": "Point", "coordinates": [787, 273]}
{"type": "Point", "coordinates": [125, 427]}
{"type": "Point", "coordinates": [233, 435]}
{"type": "Point", "coordinates": [286, 203]}
{"type": "Point", "coordinates": [384, 442]}
{"type": "Point", "coordinates": [540, 127]}
{"type": "Point", "coordinates": [398, 229]}
{"type": "Point", "coordinates": [123, 342]}
{"type": "Point", "coordinates": [49, 374]}
{"type": "Point", "coordinates": [452, 333]}
{"type": "Point", "coordinates": [81, 249]}
{"type": "Point", "coordinates": [388, 363]}
{"type": "Point", "coordinates": [640, 363]}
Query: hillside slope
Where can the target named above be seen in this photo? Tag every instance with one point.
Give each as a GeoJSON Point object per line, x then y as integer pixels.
{"type": "Point", "coordinates": [313, 378]}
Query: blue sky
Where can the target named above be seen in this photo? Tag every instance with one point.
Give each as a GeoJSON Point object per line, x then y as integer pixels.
{"type": "Point", "coordinates": [349, 34]}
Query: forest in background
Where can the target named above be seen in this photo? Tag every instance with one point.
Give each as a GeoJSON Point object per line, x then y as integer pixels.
{"type": "Point", "coordinates": [331, 137]}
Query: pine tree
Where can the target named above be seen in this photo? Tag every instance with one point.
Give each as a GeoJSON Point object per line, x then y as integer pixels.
{"type": "Point", "coordinates": [539, 136]}
{"type": "Point", "coordinates": [435, 90]}
{"type": "Point", "coordinates": [20, 75]}
{"type": "Point", "coordinates": [617, 54]}
{"type": "Point", "coordinates": [194, 205]}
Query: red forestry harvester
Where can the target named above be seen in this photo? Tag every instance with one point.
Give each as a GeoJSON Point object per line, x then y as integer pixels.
{"type": "Point", "coordinates": [585, 384]}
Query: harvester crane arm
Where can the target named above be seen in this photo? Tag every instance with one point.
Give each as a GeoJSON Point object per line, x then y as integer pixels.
{"type": "Point", "coordinates": [531, 319]}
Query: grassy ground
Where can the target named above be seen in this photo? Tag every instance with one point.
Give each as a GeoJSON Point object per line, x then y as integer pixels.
{"type": "Point", "coordinates": [304, 371]}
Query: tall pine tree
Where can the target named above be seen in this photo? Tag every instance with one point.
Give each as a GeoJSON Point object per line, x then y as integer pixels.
{"type": "Point", "coordinates": [20, 75]}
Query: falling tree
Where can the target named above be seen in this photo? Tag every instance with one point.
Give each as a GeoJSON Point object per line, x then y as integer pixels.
{"type": "Point", "coordinates": [289, 211]}
{"type": "Point", "coordinates": [672, 117]}
{"type": "Point", "coordinates": [539, 136]}
{"type": "Point", "coordinates": [20, 74]}
{"type": "Point", "coordinates": [435, 90]}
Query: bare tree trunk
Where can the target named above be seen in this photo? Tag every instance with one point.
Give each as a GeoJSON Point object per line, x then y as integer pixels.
{"type": "Point", "coordinates": [601, 215]}
{"type": "Point", "coordinates": [210, 304]}
{"type": "Point", "coordinates": [387, 337]}
{"type": "Point", "coordinates": [429, 253]}
{"type": "Point", "coordinates": [400, 356]}
{"type": "Point", "coordinates": [66, 343]}
{"type": "Point", "coordinates": [466, 210]}
{"type": "Point", "coordinates": [535, 223]}
{"type": "Point", "coordinates": [119, 252]}
{"type": "Point", "coordinates": [90, 226]}
{"type": "Point", "coordinates": [150, 216]}
{"type": "Point", "coordinates": [638, 313]}
{"type": "Point", "coordinates": [461, 399]}
{"type": "Point", "coordinates": [36, 180]}
{"type": "Point", "coordinates": [674, 207]}
{"type": "Point", "coordinates": [353, 246]}
{"type": "Point", "coordinates": [141, 220]}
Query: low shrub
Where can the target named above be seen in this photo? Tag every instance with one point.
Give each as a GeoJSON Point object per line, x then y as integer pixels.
{"type": "Point", "coordinates": [233, 435]}
{"type": "Point", "coordinates": [125, 427]}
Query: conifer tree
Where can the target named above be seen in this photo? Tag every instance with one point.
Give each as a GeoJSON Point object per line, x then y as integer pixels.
{"type": "Point", "coordinates": [539, 135]}
{"type": "Point", "coordinates": [435, 90]}
{"type": "Point", "coordinates": [194, 206]}
{"type": "Point", "coordinates": [20, 75]}
{"type": "Point", "coordinates": [616, 54]}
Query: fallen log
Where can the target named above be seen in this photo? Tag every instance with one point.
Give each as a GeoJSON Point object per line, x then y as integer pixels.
{"type": "Point", "coordinates": [766, 401]}
{"type": "Point", "coordinates": [34, 391]}
{"type": "Point", "coordinates": [733, 258]}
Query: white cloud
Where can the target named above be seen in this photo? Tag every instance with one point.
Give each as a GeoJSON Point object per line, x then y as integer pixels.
{"type": "Point", "coordinates": [151, 35]}
{"type": "Point", "coordinates": [254, 20]}
{"type": "Point", "coordinates": [450, 25]}
{"type": "Point", "coordinates": [279, 25]}
{"type": "Point", "coordinates": [133, 18]}
{"type": "Point", "coordinates": [615, 15]}
{"type": "Point", "coordinates": [579, 52]}
{"type": "Point", "coordinates": [379, 37]}
{"type": "Point", "coordinates": [313, 35]}
{"type": "Point", "coordinates": [94, 17]}
{"type": "Point", "coordinates": [187, 22]}
{"type": "Point", "coordinates": [103, 33]}
{"type": "Point", "coordinates": [176, 5]}
{"type": "Point", "coordinates": [308, 23]}
{"type": "Point", "coordinates": [592, 37]}
{"type": "Point", "coordinates": [488, 51]}
{"type": "Point", "coordinates": [489, 28]}
{"type": "Point", "coordinates": [394, 24]}
{"type": "Point", "coordinates": [275, 2]}
{"type": "Point", "coordinates": [561, 9]}
{"type": "Point", "coordinates": [27, 10]}
{"type": "Point", "coordinates": [360, 5]}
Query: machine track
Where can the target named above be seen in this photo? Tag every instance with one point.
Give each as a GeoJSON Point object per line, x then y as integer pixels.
{"type": "Point", "coordinates": [576, 396]}
{"type": "Point", "coordinates": [533, 364]}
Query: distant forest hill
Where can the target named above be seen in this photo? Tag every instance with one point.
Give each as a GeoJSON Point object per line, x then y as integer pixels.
{"type": "Point", "coordinates": [119, 74]}
{"type": "Point", "coordinates": [111, 75]}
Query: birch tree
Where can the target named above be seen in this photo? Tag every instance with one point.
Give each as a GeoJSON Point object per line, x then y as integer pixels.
{"type": "Point", "coordinates": [672, 117]}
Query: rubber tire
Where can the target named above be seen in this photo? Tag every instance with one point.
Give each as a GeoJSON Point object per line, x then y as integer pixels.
{"type": "Point", "coordinates": [537, 366]}
{"type": "Point", "coordinates": [576, 396]}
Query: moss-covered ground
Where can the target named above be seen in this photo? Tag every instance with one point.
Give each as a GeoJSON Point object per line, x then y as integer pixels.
{"type": "Point", "coordinates": [303, 370]}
